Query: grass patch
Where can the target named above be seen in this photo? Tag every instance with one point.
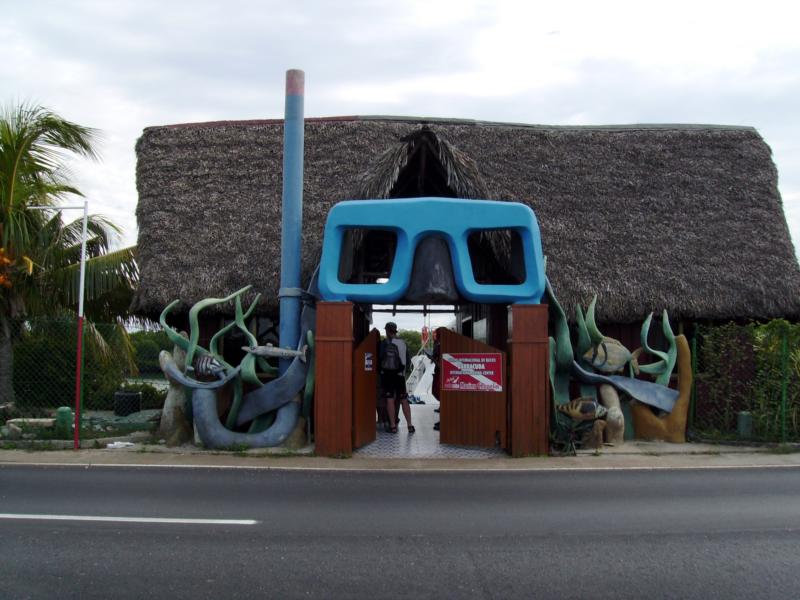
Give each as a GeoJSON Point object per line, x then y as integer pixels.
{"type": "Point", "coordinates": [42, 446]}
{"type": "Point", "coordinates": [784, 449]}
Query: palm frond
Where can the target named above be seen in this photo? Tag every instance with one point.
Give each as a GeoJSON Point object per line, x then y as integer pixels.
{"type": "Point", "coordinates": [96, 343]}
{"type": "Point", "coordinates": [111, 346]}
{"type": "Point", "coordinates": [104, 273]}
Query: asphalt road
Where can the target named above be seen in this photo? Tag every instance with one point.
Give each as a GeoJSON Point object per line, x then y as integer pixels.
{"type": "Point", "coordinates": [732, 533]}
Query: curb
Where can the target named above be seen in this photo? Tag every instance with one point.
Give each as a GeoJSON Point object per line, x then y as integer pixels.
{"type": "Point", "coordinates": [137, 458]}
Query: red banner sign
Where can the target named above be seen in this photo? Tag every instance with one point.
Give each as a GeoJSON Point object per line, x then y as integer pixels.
{"type": "Point", "coordinates": [472, 372]}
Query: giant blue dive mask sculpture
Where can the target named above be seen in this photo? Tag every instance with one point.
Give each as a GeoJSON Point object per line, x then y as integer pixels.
{"type": "Point", "coordinates": [409, 222]}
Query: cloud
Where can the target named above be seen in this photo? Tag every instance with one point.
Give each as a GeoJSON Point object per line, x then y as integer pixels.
{"type": "Point", "coordinates": [124, 65]}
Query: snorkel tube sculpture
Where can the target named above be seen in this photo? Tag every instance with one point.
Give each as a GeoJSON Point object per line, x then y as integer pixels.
{"type": "Point", "coordinates": [296, 327]}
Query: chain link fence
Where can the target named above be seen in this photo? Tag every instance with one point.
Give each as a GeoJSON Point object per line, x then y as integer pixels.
{"type": "Point", "coordinates": [44, 352]}
{"type": "Point", "coordinates": [747, 382]}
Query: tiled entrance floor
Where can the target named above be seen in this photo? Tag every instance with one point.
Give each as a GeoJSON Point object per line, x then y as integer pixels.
{"type": "Point", "coordinates": [424, 443]}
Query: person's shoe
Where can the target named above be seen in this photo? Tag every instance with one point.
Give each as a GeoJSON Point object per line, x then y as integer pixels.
{"type": "Point", "coordinates": [436, 426]}
{"type": "Point", "coordinates": [411, 429]}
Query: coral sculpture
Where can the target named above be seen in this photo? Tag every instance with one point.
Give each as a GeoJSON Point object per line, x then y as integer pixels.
{"type": "Point", "coordinates": [597, 363]}
{"type": "Point", "coordinates": [670, 427]}
{"type": "Point", "coordinates": [273, 409]}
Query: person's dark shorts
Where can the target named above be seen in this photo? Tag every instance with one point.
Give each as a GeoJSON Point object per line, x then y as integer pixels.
{"type": "Point", "coordinates": [393, 384]}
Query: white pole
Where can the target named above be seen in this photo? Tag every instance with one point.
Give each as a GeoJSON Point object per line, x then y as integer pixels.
{"type": "Point", "coordinates": [83, 258]}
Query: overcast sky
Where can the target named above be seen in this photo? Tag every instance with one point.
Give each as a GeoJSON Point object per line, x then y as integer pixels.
{"type": "Point", "coordinates": [120, 66]}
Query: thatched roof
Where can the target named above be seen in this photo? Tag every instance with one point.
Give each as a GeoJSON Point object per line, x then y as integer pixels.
{"type": "Point", "coordinates": [683, 217]}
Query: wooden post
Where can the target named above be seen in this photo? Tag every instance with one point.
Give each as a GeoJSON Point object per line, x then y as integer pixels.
{"type": "Point", "coordinates": [528, 380]}
{"type": "Point", "coordinates": [333, 389]}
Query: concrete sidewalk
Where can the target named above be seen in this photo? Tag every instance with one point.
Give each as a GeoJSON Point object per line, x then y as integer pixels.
{"type": "Point", "coordinates": [632, 455]}
{"type": "Point", "coordinates": [421, 451]}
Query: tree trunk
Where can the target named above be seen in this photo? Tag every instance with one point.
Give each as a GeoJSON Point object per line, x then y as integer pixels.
{"type": "Point", "coordinates": [6, 361]}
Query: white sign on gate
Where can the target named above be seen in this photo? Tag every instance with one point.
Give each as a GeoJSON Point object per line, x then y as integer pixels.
{"type": "Point", "coordinates": [472, 372]}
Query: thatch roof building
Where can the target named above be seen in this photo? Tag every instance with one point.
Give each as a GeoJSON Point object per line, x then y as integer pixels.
{"type": "Point", "coordinates": [683, 217]}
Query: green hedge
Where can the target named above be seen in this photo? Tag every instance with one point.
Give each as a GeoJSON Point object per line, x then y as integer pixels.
{"type": "Point", "coordinates": [45, 358]}
{"type": "Point", "coordinates": [742, 368]}
{"type": "Point", "coordinates": [148, 345]}
{"type": "Point", "coordinates": [152, 397]}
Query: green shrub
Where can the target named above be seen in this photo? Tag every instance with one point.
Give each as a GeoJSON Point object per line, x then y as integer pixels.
{"type": "Point", "coordinates": [45, 360]}
{"type": "Point", "coordinates": [741, 368]}
{"type": "Point", "coordinates": [152, 397]}
{"type": "Point", "coordinates": [413, 340]}
{"type": "Point", "coordinates": [148, 345]}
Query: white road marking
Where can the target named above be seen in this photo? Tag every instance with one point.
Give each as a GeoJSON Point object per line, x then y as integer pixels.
{"type": "Point", "coordinates": [128, 519]}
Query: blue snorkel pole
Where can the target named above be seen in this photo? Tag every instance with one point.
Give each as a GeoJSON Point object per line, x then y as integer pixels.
{"type": "Point", "coordinates": [292, 213]}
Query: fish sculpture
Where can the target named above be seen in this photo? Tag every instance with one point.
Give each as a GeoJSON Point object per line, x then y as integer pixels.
{"type": "Point", "coordinates": [276, 351]}
{"type": "Point", "coordinates": [583, 409]}
{"type": "Point", "coordinates": [206, 364]}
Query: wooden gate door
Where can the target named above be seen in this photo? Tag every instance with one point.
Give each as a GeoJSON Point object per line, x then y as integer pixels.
{"type": "Point", "coordinates": [473, 395]}
{"type": "Point", "coordinates": [365, 389]}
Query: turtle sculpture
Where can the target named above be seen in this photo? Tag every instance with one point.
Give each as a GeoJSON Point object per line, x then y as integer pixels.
{"type": "Point", "coordinates": [587, 420]}
{"type": "Point", "coordinates": [606, 354]}
{"type": "Point", "coordinates": [583, 409]}
{"type": "Point", "coordinates": [598, 361]}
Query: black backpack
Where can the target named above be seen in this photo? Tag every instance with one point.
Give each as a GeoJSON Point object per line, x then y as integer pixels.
{"type": "Point", "coordinates": [390, 361]}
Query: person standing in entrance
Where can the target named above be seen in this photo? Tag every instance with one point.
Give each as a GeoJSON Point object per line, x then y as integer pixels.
{"type": "Point", "coordinates": [394, 360]}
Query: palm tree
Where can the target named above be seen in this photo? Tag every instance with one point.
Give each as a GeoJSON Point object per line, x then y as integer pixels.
{"type": "Point", "coordinates": [39, 251]}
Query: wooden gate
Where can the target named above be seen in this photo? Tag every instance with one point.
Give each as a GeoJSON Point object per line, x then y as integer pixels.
{"type": "Point", "coordinates": [365, 389]}
{"type": "Point", "coordinates": [471, 415]}
{"type": "Point", "coordinates": [517, 417]}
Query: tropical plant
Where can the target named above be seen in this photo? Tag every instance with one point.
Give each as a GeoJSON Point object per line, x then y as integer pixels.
{"type": "Point", "coordinates": [748, 367]}
{"type": "Point", "coordinates": [413, 340]}
{"type": "Point", "coordinates": [152, 397]}
{"type": "Point", "coordinates": [44, 364]}
{"type": "Point", "coordinates": [40, 252]}
{"type": "Point", "coordinates": [148, 345]}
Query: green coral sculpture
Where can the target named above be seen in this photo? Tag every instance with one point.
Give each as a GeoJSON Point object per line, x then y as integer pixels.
{"type": "Point", "coordinates": [191, 346]}
{"type": "Point", "coordinates": [662, 368]}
